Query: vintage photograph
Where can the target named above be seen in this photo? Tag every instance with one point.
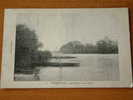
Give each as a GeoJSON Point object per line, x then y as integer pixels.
{"type": "Point", "coordinates": [58, 46]}
{"type": "Point", "coordinates": [66, 48]}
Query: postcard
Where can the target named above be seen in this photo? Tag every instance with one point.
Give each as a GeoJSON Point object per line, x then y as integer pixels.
{"type": "Point", "coordinates": [66, 48]}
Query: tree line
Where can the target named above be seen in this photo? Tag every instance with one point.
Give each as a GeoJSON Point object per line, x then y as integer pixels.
{"type": "Point", "coordinates": [104, 46]}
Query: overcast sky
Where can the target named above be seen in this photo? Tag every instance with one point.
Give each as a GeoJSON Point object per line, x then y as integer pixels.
{"type": "Point", "coordinates": [56, 29]}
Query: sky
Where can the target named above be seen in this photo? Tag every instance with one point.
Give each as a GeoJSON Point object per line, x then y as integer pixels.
{"type": "Point", "coordinates": [58, 28]}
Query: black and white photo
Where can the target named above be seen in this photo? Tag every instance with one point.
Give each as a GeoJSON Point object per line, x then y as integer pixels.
{"type": "Point", "coordinates": [69, 47]}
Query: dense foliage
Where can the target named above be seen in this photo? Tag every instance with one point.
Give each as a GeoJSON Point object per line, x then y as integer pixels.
{"type": "Point", "coordinates": [27, 52]}
{"type": "Point", "coordinates": [102, 46]}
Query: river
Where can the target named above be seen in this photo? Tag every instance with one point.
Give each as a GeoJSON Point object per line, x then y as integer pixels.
{"type": "Point", "coordinates": [93, 67]}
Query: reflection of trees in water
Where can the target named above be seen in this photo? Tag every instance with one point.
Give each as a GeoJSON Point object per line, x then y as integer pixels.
{"type": "Point", "coordinates": [36, 74]}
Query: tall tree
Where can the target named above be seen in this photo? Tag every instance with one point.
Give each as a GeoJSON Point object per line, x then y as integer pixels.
{"type": "Point", "coordinates": [26, 46]}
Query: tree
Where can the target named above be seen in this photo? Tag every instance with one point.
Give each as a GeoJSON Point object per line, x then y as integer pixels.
{"type": "Point", "coordinates": [27, 45]}
{"type": "Point", "coordinates": [107, 46]}
{"type": "Point", "coordinates": [90, 48]}
{"type": "Point", "coordinates": [72, 47]}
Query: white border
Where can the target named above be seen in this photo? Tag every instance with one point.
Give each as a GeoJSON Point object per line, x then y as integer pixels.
{"type": "Point", "coordinates": [9, 51]}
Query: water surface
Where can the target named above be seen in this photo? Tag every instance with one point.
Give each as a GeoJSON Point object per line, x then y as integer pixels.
{"type": "Point", "coordinates": [93, 67]}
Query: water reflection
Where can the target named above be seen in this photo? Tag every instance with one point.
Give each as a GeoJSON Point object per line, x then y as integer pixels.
{"type": "Point", "coordinates": [92, 67]}
{"type": "Point", "coordinates": [36, 74]}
